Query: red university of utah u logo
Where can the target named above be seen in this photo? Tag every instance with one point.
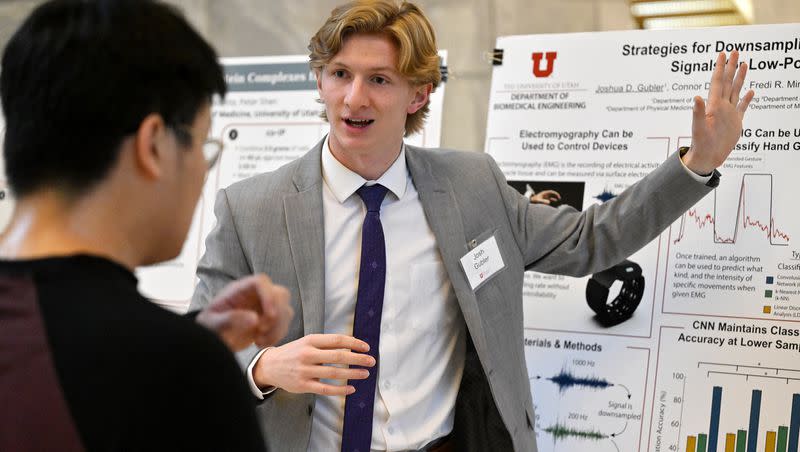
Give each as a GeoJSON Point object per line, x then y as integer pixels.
{"type": "Point", "coordinates": [538, 71]}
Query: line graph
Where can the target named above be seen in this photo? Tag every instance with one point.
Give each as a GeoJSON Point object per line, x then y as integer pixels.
{"type": "Point", "coordinates": [748, 215]}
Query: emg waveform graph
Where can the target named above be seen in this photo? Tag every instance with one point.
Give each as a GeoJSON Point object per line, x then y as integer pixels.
{"type": "Point", "coordinates": [583, 399]}
{"type": "Point", "coordinates": [566, 380]}
{"type": "Point", "coordinates": [753, 210]}
{"type": "Point", "coordinates": [561, 431]}
{"type": "Point", "coordinates": [606, 195]}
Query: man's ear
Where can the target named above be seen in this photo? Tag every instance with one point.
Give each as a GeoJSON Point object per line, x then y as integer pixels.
{"type": "Point", "coordinates": [150, 146]}
{"type": "Point", "coordinates": [318, 74]}
{"type": "Point", "coordinates": [421, 95]}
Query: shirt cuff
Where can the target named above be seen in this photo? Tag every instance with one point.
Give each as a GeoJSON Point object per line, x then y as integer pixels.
{"type": "Point", "coordinates": [697, 177]}
{"type": "Point", "coordinates": [258, 392]}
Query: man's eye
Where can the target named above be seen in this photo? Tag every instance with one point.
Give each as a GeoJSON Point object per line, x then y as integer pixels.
{"type": "Point", "coordinates": [380, 80]}
{"type": "Point", "coordinates": [339, 73]}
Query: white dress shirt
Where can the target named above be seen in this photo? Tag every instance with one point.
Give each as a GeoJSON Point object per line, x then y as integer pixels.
{"type": "Point", "coordinates": [422, 342]}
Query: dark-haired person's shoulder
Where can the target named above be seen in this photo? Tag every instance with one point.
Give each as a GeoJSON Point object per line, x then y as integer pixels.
{"type": "Point", "coordinates": [132, 371]}
{"type": "Point", "coordinates": [195, 382]}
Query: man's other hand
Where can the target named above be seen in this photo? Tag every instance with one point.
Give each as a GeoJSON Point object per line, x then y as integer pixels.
{"type": "Point", "coordinates": [298, 366]}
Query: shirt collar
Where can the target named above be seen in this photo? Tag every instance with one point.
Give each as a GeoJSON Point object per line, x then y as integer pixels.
{"type": "Point", "coordinates": [343, 182]}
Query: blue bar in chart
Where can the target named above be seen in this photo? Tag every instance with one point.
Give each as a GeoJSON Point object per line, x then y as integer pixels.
{"type": "Point", "coordinates": [755, 413]}
{"type": "Point", "coordinates": [713, 429]}
{"type": "Point", "coordinates": [794, 426]}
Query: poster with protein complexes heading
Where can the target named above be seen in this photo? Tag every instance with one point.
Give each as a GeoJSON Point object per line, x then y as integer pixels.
{"type": "Point", "coordinates": [710, 360]}
{"type": "Point", "coordinates": [269, 117]}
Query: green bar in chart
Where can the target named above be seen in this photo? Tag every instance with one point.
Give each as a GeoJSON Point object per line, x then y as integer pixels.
{"type": "Point", "coordinates": [702, 440]}
{"type": "Point", "coordinates": [741, 441]}
{"type": "Point", "coordinates": [783, 436]}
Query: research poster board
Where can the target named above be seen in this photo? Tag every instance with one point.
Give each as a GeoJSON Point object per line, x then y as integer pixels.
{"type": "Point", "coordinates": [269, 117]}
{"type": "Point", "coordinates": [709, 361]}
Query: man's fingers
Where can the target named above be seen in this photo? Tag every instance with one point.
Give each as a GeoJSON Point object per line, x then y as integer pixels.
{"type": "Point", "coordinates": [329, 341]}
{"type": "Point", "coordinates": [343, 356]}
{"type": "Point", "coordinates": [730, 72]}
{"type": "Point", "coordinates": [717, 78]}
{"type": "Point", "coordinates": [745, 102]}
{"type": "Point", "coordinates": [699, 110]}
{"type": "Point", "coordinates": [738, 82]}
{"type": "Point", "coordinates": [341, 373]}
{"type": "Point", "coordinates": [316, 387]}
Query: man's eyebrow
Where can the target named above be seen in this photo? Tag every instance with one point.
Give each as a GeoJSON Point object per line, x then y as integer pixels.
{"type": "Point", "coordinates": [371, 69]}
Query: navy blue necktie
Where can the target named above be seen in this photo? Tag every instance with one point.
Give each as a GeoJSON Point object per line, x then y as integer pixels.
{"type": "Point", "coordinates": [357, 431]}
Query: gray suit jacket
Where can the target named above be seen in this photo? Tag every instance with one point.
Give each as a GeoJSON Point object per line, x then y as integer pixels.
{"type": "Point", "coordinates": [273, 223]}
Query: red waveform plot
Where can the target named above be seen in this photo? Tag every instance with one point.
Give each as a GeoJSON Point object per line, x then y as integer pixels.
{"type": "Point", "coordinates": [743, 219]}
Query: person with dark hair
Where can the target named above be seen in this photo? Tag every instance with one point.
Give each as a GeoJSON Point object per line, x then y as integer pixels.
{"type": "Point", "coordinates": [420, 253]}
{"type": "Point", "coordinates": [107, 107]}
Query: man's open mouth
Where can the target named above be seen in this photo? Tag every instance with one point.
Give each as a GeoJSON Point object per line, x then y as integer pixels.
{"type": "Point", "coordinates": [358, 122]}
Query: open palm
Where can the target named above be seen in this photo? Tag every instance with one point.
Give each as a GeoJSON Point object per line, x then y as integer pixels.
{"type": "Point", "coordinates": [717, 122]}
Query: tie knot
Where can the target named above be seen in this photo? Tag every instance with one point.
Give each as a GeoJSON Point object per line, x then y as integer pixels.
{"type": "Point", "coordinates": [372, 196]}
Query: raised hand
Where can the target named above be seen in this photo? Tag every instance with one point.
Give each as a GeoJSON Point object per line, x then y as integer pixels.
{"type": "Point", "coordinates": [717, 122]}
{"type": "Point", "coordinates": [298, 366]}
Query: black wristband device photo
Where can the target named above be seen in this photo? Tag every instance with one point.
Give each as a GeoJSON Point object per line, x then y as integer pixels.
{"type": "Point", "coordinates": [621, 308]}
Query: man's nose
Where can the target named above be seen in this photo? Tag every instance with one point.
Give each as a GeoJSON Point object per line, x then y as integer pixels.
{"type": "Point", "coordinates": [357, 95]}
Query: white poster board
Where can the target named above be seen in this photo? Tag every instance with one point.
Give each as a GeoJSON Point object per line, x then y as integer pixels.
{"type": "Point", "coordinates": [711, 355]}
{"type": "Point", "coordinates": [269, 117]}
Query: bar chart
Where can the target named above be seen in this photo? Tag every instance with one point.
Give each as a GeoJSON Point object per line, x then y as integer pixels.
{"type": "Point", "coordinates": [780, 438]}
{"type": "Point", "coordinates": [709, 396]}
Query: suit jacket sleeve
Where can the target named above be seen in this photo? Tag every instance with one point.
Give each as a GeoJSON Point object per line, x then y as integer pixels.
{"type": "Point", "coordinates": [565, 241]}
{"type": "Point", "coordinates": [223, 262]}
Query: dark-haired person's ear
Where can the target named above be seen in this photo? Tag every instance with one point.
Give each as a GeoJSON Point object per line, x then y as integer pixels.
{"type": "Point", "coordinates": [151, 143]}
{"type": "Point", "coordinates": [421, 95]}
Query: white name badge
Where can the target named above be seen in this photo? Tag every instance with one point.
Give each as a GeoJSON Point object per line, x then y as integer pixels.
{"type": "Point", "coordinates": [482, 262]}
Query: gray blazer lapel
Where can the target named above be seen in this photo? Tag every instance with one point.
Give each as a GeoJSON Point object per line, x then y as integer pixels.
{"type": "Point", "coordinates": [305, 225]}
{"type": "Point", "coordinates": [441, 210]}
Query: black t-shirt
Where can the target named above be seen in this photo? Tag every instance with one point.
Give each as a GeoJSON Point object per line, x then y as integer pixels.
{"type": "Point", "coordinates": [134, 376]}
